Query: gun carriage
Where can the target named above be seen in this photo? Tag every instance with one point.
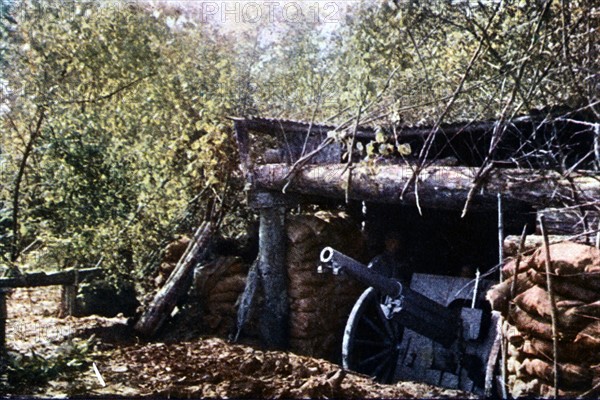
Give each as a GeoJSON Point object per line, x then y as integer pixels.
{"type": "Point", "coordinates": [439, 330]}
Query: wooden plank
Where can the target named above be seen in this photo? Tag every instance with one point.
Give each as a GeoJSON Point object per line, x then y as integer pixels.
{"type": "Point", "coordinates": [177, 285]}
{"type": "Point", "coordinates": [438, 186]}
{"type": "Point", "coordinates": [68, 277]}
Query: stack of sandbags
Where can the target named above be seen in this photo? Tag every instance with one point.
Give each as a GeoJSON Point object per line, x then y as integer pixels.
{"type": "Point", "coordinates": [173, 253]}
{"type": "Point", "coordinates": [320, 303]}
{"type": "Point", "coordinates": [217, 286]}
{"type": "Point", "coordinates": [575, 274]}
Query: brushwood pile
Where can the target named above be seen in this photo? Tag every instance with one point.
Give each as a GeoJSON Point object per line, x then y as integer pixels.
{"type": "Point", "coordinates": [524, 301]}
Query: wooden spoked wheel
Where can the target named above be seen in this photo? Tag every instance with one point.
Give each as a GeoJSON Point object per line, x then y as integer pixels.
{"type": "Point", "coordinates": [371, 341]}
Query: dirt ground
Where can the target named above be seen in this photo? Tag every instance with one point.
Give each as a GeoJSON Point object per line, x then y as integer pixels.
{"type": "Point", "coordinates": [203, 367]}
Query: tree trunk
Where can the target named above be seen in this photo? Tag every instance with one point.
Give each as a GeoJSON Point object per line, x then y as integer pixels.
{"type": "Point", "coordinates": [438, 186]}
{"type": "Point", "coordinates": [3, 318]}
{"type": "Point", "coordinates": [19, 179]}
{"type": "Point", "coordinates": [273, 323]}
{"type": "Point", "coordinates": [177, 285]}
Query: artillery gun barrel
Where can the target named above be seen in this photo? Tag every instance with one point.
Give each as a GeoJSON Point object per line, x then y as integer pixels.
{"type": "Point", "coordinates": [339, 261]}
{"type": "Point", "coordinates": [416, 312]}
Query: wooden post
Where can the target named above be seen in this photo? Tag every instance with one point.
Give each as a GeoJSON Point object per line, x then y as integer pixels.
{"type": "Point", "coordinates": [273, 275]}
{"type": "Point", "coordinates": [68, 295]}
{"type": "Point", "coordinates": [553, 309]}
{"type": "Point", "coordinates": [3, 318]}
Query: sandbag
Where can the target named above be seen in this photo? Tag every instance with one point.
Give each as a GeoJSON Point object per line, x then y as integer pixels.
{"type": "Point", "coordinates": [576, 286]}
{"type": "Point", "coordinates": [308, 266]}
{"type": "Point", "coordinates": [318, 225]}
{"type": "Point", "coordinates": [512, 334]}
{"type": "Point", "coordinates": [547, 391]}
{"type": "Point", "coordinates": [312, 279]}
{"type": "Point", "coordinates": [308, 251]}
{"type": "Point", "coordinates": [500, 295]}
{"type": "Point", "coordinates": [591, 310]}
{"type": "Point", "coordinates": [513, 365]}
{"type": "Point", "coordinates": [530, 324]}
{"type": "Point", "coordinates": [593, 269]}
{"type": "Point", "coordinates": [542, 352]}
{"type": "Point", "coordinates": [297, 231]}
{"type": "Point", "coordinates": [566, 303]}
{"type": "Point", "coordinates": [306, 304]}
{"type": "Point", "coordinates": [525, 388]}
{"type": "Point", "coordinates": [307, 346]}
{"type": "Point", "coordinates": [564, 288]}
{"type": "Point", "coordinates": [299, 292]}
{"type": "Point", "coordinates": [586, 280]}
{"type": "Point", "coordinates": [309, 323]}
{"type": "Point", "coordinates": [512, 350]}
{"type": "Point", "coordinates": [224, 297]}
{"type": "Point", "coordinates": [235, 283]}
{"type": "Point", "coordinates": [570, 375]}
{"type": "Point", "coordinates": [175, 249]}
{"type": "Point", "coordinates": [567, 258]}
{"type": "Point", "coordinates": [589, 336]}
{"type": "Point", "coordinates": [508, 270]}
{"type": "Point", "coordinates": [535, 300]}
{"type": "Point", "coordinates": [568, 352]}
{"type": "Point", "coordinates": [319, 303]}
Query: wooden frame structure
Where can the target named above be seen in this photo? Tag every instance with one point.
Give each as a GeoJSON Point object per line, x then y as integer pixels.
{"type": "Point", "coordinates": [70, 279]}
{"type": "Point", "coordinates": [306, 166]}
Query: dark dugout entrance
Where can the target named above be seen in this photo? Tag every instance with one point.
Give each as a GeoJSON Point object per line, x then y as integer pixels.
{"type": "Point", "coordinates": [440, 242]}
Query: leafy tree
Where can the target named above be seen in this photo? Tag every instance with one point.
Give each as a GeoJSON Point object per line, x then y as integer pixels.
{"type": "Point", "coordinates": [119, 125]}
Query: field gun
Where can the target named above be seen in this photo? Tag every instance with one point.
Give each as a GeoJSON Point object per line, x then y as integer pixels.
{"type": "Point", "coordinates": [435, 331]}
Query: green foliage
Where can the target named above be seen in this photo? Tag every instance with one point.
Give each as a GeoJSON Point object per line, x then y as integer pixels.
{"type": "Point", "coordinates": [132, 127]}
{"type": "Point", "coordinates": [114, 114]}
{"type": "Point", "coordinates": [20, 372]}
{"type": "Point", "coordinates": [470, 60]}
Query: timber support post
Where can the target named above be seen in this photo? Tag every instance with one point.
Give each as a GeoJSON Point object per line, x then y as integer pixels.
{"type": "Point", "coordinates": [272, 273]}
{"type": "Point", "coordinates": [68, 296]}
{"type": "Point", "coordinates": [3, 318]}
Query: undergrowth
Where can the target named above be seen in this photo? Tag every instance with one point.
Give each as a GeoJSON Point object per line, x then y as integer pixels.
{"type": "Point", "coordinates": [23, 373]}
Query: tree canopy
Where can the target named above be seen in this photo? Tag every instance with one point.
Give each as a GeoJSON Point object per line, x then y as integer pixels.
{"type": "Point", "coordinates": [114, 115]}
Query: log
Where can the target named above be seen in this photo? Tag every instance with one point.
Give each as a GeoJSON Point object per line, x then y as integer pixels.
{"type": "Point", "coordinates": [3, 318]}
{"type": "Point", "coordinates": [570, 222]}
{"type": "Point", "coordinates": [272, 272]}
{"type": "Point", "coordinates": [177, 285]}
{"type": "Point", "coordinates": [68, 277]}
{"type": "Point", "coordinates": [439, 186]}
